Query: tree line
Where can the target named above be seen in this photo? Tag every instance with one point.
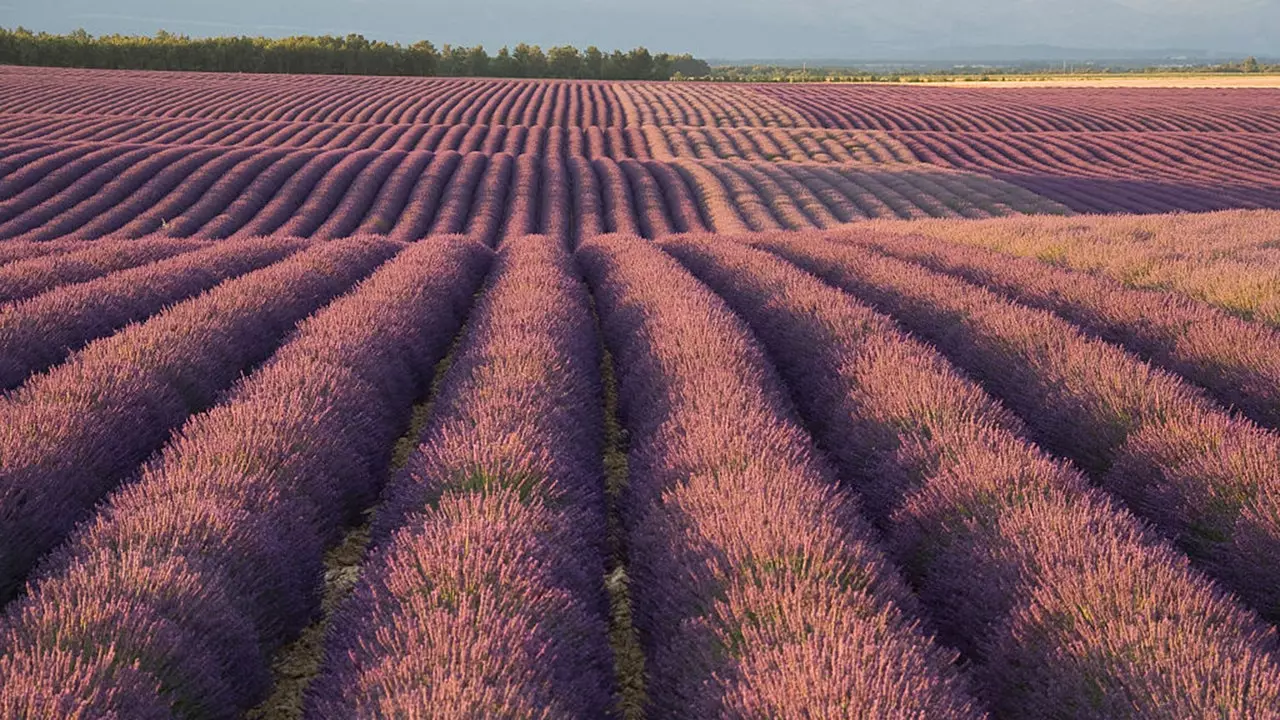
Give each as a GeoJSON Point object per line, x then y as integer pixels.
{"type": "Point", "coordinates": [331, 55]}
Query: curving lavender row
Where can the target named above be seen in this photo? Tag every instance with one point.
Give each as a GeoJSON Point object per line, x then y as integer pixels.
{"type": "Point", "coordinates": [758, 591]}
{"type": "Point", "coordinates": [211, 195]}
{"type": "Point", "coordinates": [28, 278]}
{"type": "Point", "coordinates": [1236, 360]}
{"type": "Point", "coordinates": [320, 203]}
{"type": "Point", "coordinates": [284, 203]}
{"type": "Point", "coordinates": [69, 436]}
{"type": "Point", "coordinates": [386, 206]}
{"type": "Point", "coordinates": [36, 184]}
{"type": "Point", "coordinates": [170, 603]}
{"type": "Point", "coordinates": [133, 191]}
{"type": "Point", "coordinates": [413, 220]}
{"type": "Point", "coordinates": [236, 199]}
{"type": "Point", "coordinates": [98, 188]}
{"type": "Point", "coordinates": [13, 251]}
{"type": "Point", "coordinates": [1204, 477]}
{"type": "Point", "coordinates": [346, 217]}
{"type": "Point", "coordinates": [1000, 541]}
{"type": "Point", "coordinates": [455, 204]}
{"type": "Point", "coordinates": [486, 592]}
{"type": "Point", "coordinates": [488, 209]}
{"type": "Point", "coordinates": [149, 210]}
{"type": "Point", "coordinates": [41, 332]}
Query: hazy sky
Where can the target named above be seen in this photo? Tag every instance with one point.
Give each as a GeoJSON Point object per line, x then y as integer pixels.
{"type": "Point", "coordinates": [710, 28]}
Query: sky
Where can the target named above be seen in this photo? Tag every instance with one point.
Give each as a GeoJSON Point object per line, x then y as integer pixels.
{"type": "Point", "coordinates": [723, 29]}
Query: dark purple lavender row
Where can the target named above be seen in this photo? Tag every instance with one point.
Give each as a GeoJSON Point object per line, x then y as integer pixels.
{"type": "Point", "coordinates": [489, 206]}
{"type": "Point", "coordinates": [617, 208]}
{"type": "Point", "coordinates": [172, 600]}
{"type": "Point", "coordinates": [412, 220]}
{"type": "Point", "coordinates": [758, 590]}
{"type": "Point", "coordinates": [999, 540]}
{"type": "Point", "coordinates": [386, 206]}
{"type": "Point", "coordinates": [31, 144]}
{"type": "Point", "coordinates": [456, 202]}
{"type": "Point", "coordinates": [28, 278]}
{"type": "Point", "coordinates": [307, 217]}
{"type": "Point", "coordinates": [133, 191]}
{"type": "Point", "coordinates": [283, 204]}
{"type": "Point", "coordinates": [69, 436]}
{"type": "Point", "coordinates": [360, 199]}
{"type": "Point", "coordinates": [12, 251]}
{"type": "Point", "coordinates": [230, 206]}
{"type": "Point", "coordinates": [650, 200]}
{"type": "Point", "coordinates": [1237, 361]}
{"type": "Point", "coordinates": [31, 185]}
{"type": "Point", "coordinates": [486, 593]}
{"type": "Point", "coordinates": [210, 194]}
{"type": "Point", "coordinates": [39, 333]}
{"type": "Point", "coordinates": [587, 215]}
{"type": "Point", "coordinates": [527, 185]}
{"type": "Point", "coordinates": [1204, 477]}
{"type": "Point", "coordinates": [149, 211]}
{"type": "Point", "coordinates": [556, 200]}
{"type": "Point", "coordinates": [680, 199]}
{"type": "Point", "coordinates": [94, 192]}
{"type": "Point", "coordinates": [21, 163]}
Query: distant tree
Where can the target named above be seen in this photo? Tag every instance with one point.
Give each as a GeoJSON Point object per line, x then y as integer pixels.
{"type": "Point", "coordinates": [593, 62]}
{"type": "Point", "coordinates": [448, 65]}
{"type": "Point", "coordinates": [478, 61]}
{"type": "Point", "coordinates": [423, 59]}
{"type": "Point", "coordinates": [564, 61]}
{"type": "Point", "coordinates": [503, 65]}
{"type": "Point", "coordinates": [638, 65]}
{"type": "Point", "coordinates": [1250, 65]}
{"type": "Point", "coordinates": [529, 61]}
{"type": "Point", "coordinates": [615, 64]}
{"type": "Point", "coordinates": [691, 66]}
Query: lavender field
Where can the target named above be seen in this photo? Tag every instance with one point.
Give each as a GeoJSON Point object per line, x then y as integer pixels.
{"type": "Point", "coordinates": [337, 397]}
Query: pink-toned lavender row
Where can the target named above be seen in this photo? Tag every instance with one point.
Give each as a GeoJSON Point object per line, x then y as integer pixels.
{"type": "Point", "coordinates": [1203, 476]}
{"type": "Point", "coordinates": [69, 436]}
{"type": "Point", "coordinates": [758, 590]}
{"type": "Point", "coordinates": [1000, 541]}
{"type": "Point", "coordinates": [172, 600]}
{"type": "Point", "coordinates": [1237, 361]}
{"type": "Point", "coordinates": [70, 179]}
{"type": "Point", "coordinates": [22, 280]}
{"type": "Point", "coordinates": [38, 333]}
{"type": "Point", "coordinates": [486, 592]}
{"type": "Point", "coordinates": [12, 251]}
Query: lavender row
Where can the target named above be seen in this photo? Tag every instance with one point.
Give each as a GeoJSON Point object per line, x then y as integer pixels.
{"type": "Point", "coordinates": [757, 588]}
{"type": "Point", "coordinates": [172, 601]}
{"type": "Point", "coordinates": [486, 591]}
{"type": "Point", "coordinates": [41, 332]}
{"type": "Point", "coordinates": [1204, 477]}
{"type": "Point", "coordinates": [122, 198]}
{"type": "Point", "coordinates": [32, 186]}
{"type": "Point", "coordinates": [96, 190]}
{"type": "Point", "coordinates": [13, 251]}
{"type": "Point", "coordinates": [1000, 541]}
{"type": "Point", "coordinates": [28, 278]}
{"type": "Point", "coordinates": [69, 436]}
{"type": "Point", "coordinates": [1237, 361]}
{"type": "Point", "coordinates": [210, 194]}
